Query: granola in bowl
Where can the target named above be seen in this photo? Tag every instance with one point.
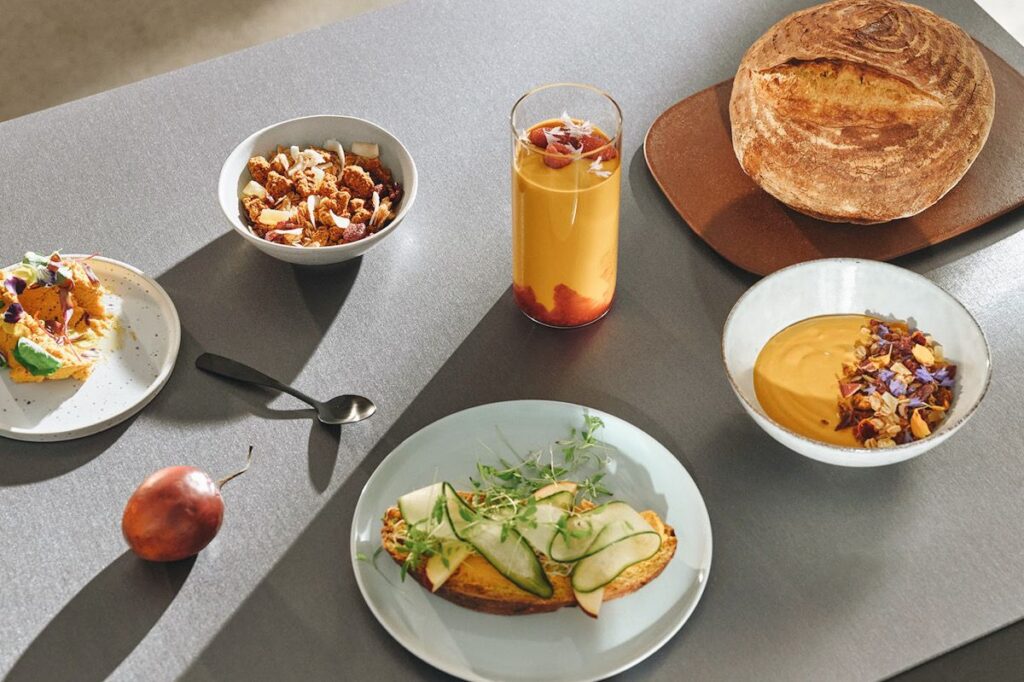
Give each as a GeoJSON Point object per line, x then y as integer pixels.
{"type": "Point", "coordinates": [899, 387]}
{"type": "Point", "coordinates": [319, 196]}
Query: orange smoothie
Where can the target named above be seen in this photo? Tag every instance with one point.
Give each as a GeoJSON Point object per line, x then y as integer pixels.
{"type": "Point", "coordinates": [565, 223]}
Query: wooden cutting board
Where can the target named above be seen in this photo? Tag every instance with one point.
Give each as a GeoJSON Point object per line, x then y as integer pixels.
{"type": "Point", "coordinates": [689, 151]}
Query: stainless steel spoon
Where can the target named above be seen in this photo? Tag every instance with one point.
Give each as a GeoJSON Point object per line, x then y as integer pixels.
{"type": "Point", "coordinates": [341, 410]}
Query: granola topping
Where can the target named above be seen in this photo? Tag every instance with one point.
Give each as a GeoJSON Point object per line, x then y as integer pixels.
{"type": "Point", "coordinates": [317, 196]}
{"type": "Point", "coordinates": [898, 387]}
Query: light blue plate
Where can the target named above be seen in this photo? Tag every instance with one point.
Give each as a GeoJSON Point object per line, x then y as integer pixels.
{"type": "Point", "coordinates": [566, 646]}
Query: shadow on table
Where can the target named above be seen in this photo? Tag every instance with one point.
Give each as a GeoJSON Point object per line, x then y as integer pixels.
{"type": "Point", "coordinates": [236, 301]}
{"type": "Point", "coordinates": [33, 462]}
{"type": "Point", "coordinates": [306, 619]}
{"type": "Point", "coordinates": [103, 623]}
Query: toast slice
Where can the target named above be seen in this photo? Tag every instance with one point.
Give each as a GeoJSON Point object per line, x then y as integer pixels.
{"type": "Point", "coordinates": [477, 585]}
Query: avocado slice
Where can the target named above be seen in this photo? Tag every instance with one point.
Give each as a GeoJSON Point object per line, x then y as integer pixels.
{"type": "Point", "coordinates": [32, 357]}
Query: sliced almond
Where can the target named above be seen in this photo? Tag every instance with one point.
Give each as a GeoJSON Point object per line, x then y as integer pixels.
{"type": "Point", "coordinates": [918, 426]}
{"type": "Point", "coordinates": [923, 355]}
{"type": "Point", "coordinates": [366, 149]}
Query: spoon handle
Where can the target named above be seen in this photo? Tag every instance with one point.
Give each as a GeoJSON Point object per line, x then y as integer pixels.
{"type": "Point", "coordinates": [232, 369]}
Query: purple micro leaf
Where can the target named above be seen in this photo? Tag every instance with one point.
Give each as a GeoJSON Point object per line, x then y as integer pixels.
{"type": "Point", "coordinates": [15, 284]}
{"type": "Point", "coordinates": [13, 313]}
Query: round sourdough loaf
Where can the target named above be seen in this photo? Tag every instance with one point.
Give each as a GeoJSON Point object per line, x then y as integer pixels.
{"type": "Point", "coordinates": [861, 111]}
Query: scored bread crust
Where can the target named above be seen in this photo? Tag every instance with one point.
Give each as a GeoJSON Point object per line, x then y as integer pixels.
{"type": "Point", "coordinates": [861, 111]}
{"type": "Point", "coordinates": [477, 585]}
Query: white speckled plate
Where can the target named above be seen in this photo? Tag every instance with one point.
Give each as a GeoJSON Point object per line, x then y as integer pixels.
{"type": "Point", "coordinates": [564, 646]}
{"type": "Point", "coordinates": [137, 359]}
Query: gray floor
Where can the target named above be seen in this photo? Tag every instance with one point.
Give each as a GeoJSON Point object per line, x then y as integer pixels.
{"type": "Point", "coordinates": [55, 51]}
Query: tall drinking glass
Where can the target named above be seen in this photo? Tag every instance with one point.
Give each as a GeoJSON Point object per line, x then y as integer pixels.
{"type": "Point", "coordinates": [566, 161]}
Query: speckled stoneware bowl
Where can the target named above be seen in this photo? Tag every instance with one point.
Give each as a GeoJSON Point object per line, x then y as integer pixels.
{"type": "Point", "coordinates": [314, 130]}
{"type": "Point", "coordinates": [849, 286]}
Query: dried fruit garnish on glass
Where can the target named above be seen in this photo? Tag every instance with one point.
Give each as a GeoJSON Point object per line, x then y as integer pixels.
{"type": "Point", "coordinates": [320, 196]}
{"type": "Point", "coordinates": [899, 387]}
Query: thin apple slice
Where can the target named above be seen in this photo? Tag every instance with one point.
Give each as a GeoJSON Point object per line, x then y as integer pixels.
{"type": "Point", "coordinates": [590, 602]}
{"type": "Point", "coordinates": [442, 565]}
{"type": "Point", "coordinates": [553, 488]}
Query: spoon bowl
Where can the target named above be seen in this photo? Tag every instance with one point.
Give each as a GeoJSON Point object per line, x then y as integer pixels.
{"type": "Point", "coordinates": [345, 409]}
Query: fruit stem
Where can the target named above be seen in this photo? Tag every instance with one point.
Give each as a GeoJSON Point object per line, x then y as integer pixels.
{"type": "Point", "coordinates": [248, 463]}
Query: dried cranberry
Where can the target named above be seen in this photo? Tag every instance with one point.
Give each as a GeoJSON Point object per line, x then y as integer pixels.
{"type": "Point", "coordinates": [353, 233]}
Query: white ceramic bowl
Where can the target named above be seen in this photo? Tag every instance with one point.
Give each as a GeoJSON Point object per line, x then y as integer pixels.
{"type": "Point", "coordinates": [314, 130]}
{"type": "Point", "coordinates": [842, 285]}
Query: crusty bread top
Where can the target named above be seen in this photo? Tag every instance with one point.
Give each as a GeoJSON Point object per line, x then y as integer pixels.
{"type": "Point", "coordinates": [861, 110]}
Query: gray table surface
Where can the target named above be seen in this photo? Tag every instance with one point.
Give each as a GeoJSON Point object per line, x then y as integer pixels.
{"type": "Point", "coordinates": [819, 572]}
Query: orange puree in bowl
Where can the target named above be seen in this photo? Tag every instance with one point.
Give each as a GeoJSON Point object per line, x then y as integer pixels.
{"type": "Point", "coordinates": [796, 375]}
{"type": "Point", "coordinates": [564, 236]}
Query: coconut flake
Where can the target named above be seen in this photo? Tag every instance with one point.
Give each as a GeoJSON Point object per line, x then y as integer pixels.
{"type": "Point", "coordinates": [312, 157]}
{"type": "Point", "coordinates": [366, 149]}
{"type": "Point", "coordinates": [597, 169]}
{"type": "Point", "coordinates": [272, 216]}
{"type": "Point", "coordinates": [340, 221]}
{"type": "Point", "coordinates": [576, 129]}
{"type": "Point", "coordinates": [335, 146]}
{"type": "Point", "coordinates": [294, 152]}
{"type": "Point", "coordinates": [254, 189]}
{"type": "Point", "coordinates": [318, 175]}
{"type": "Point", "coordinates": [283, 160]}
{"type": "Point", "coordinates": [290, 236]}
{"type": "Point", "coordinates": [376, 200]}
{"type": "Point", "coordinates": [311, 207]}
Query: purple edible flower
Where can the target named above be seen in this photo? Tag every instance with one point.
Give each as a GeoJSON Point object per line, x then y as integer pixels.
{"type": "Point", "coordinates": [15, 285]}
{"type": "Point", "coordinates": [915, 403]}
{"type": "Point", "coordinates": [870, 390]}
{"type": "Point", "coordinates": [924, 375]}
{"type": "Point", "coordinates": [897, 387]}
{"type": "Point", "coordinates": [13, 313]}
{"type": "Point", "coordinates": [882, 330]}
{"type": "Point", "coordinates": [941, 374]}
{"type": "Point", "coordinates": [946, 383]}
{"type": "Point", "coordinates": [885, 374]}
